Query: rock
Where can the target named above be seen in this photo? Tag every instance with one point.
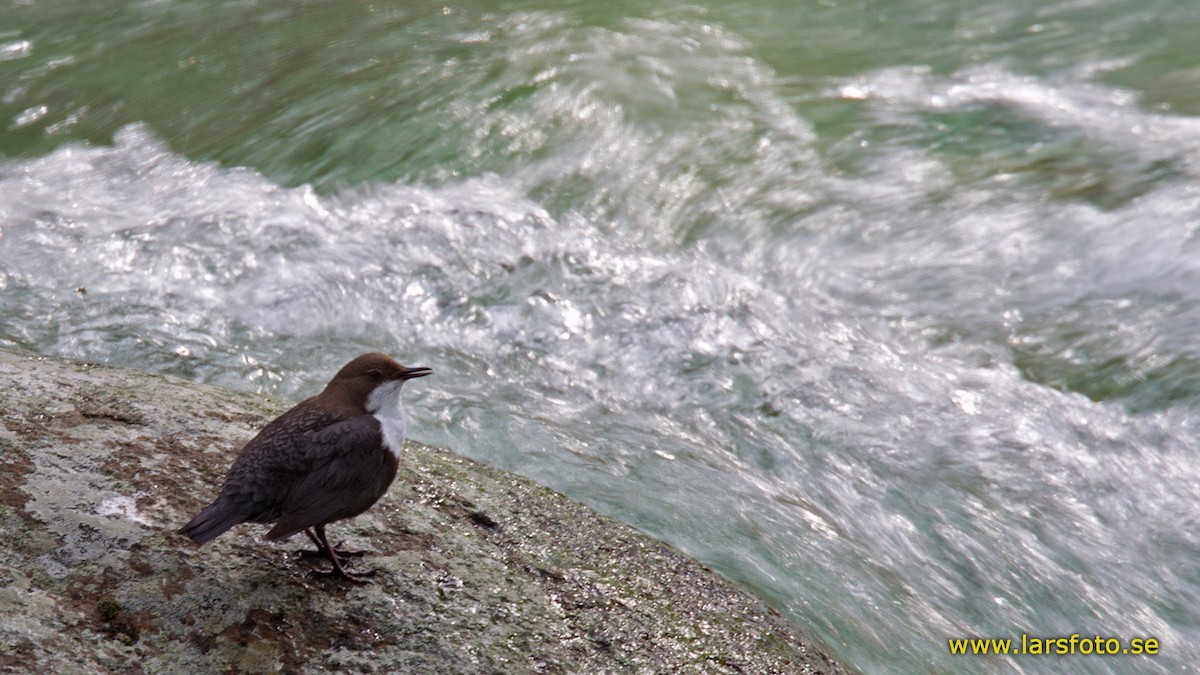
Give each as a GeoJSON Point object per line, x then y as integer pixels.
{"type": "Point", "coordinates": [478, 570]}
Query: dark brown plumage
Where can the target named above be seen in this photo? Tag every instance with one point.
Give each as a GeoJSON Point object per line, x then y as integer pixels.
{"type": "Point", "coordinates": [329, 458]}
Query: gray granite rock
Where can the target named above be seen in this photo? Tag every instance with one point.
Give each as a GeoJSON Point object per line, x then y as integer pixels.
{"type": "Point", "coordinates": [479, 570]}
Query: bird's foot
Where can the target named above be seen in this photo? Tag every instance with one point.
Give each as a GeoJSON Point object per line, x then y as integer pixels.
{"type": "Point", "coordinates": [323, 553]}
{"type": "Point", "coordinates": [336, 555]}
{"type": "Point", "coordinates": [339, 572]}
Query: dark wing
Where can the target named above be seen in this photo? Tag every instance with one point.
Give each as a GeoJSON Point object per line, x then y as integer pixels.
{"type": "Point", "coordinates": [350, 472]}
{"type": "Point", "coordinates": [261, 478]}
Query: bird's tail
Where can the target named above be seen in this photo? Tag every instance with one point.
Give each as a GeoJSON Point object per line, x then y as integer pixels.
{"type": "Point", "coordinates": [212, 522]}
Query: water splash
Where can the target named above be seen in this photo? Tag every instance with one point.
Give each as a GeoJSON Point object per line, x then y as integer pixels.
{"type": "Point", "coordinates": [930, 377]}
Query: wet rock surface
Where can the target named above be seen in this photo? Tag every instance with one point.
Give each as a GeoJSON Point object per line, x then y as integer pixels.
{"type": "Point", "coordinates": [477, 570]}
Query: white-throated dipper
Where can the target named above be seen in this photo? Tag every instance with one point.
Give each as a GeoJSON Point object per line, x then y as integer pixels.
{"type": "Point", "coordinates": [329, 458]}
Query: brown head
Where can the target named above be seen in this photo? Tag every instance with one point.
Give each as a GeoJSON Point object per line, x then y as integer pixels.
{"type": "Point", "coordinates": [354, 383]}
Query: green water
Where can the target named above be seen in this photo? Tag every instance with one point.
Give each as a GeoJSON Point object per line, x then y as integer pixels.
{"type": "Point", "coordinates": [338, 94]}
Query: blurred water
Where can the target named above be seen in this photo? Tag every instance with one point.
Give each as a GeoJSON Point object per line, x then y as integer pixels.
{"type": "Point", "coordinates": [882, 311]}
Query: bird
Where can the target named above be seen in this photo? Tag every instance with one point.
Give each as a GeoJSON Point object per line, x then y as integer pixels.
{"type": "Point", "coordinates": [329, 458]}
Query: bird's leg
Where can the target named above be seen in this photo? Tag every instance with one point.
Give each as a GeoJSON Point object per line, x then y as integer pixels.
{"type": "Point", "coordinates": [312, 536]}
{"type": "Point", "coordinates": [322, 551]}
{"type": "Point", "coordinates": [318, 536]}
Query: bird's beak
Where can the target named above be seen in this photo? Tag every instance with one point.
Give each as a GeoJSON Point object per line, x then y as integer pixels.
{"type": "Point", "coordinates": [410, 373]}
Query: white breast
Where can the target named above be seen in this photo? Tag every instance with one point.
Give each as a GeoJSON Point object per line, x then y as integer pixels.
{"type": "Point", "coordinates": [384, 404]}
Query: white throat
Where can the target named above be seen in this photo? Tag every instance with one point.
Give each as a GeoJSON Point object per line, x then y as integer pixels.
{"type": "Point", "coordinates": [384, 404]}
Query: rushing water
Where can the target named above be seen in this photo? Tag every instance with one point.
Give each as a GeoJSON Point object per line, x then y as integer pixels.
{"type": "Point", "coordinates": [886, 310]}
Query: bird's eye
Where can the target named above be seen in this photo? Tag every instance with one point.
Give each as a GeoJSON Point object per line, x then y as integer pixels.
{"type": "Point", "coordinates": [375, 375]}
